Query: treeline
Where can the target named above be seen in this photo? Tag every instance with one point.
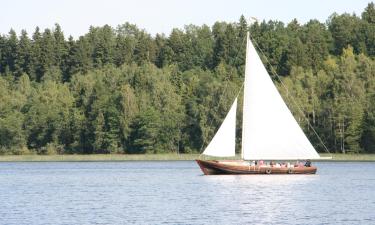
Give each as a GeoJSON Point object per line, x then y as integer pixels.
{"type": "Point", "coordinates": [124, 91]}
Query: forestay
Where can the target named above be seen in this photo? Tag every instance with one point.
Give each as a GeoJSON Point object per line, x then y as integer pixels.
{"type": "Point", "coordinates": [269, 130]}
{"type": "Point", "coordinates": [224, 141]}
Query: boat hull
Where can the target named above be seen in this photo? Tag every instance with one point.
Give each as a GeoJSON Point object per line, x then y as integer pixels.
{"type": "Point", "coordinates": [214, 167]}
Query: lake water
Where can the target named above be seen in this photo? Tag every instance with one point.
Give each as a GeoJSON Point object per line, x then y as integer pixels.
{"type": "Point", "coordinates": [177, 193]}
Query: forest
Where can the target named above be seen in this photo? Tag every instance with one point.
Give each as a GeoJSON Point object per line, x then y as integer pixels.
{"type": "Point", "coordinates": [123, 90]}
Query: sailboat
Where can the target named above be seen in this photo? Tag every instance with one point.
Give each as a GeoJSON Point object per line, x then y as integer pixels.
{"type": "Point", "coordinates": [271, 136]}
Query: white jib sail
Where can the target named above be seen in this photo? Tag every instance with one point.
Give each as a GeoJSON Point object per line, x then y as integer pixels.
{"type": "Point", "coordinates": [224, 142]}
{"type": "Point", "coordinates": [269, 130]}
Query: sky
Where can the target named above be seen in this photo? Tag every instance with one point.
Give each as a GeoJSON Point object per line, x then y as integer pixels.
{"type": "Point", "coordinates": [160, 16]}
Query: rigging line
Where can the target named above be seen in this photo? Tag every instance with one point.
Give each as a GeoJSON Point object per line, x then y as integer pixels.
{"type": "Point", "coordinates": [291, 97]}
{"type": "Point", "coordinates": [226, 87]}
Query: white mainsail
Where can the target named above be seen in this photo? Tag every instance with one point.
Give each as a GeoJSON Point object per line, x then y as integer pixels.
{"type": "Point", "coordinates": [224, 142]}
{"type": "Point", "coordinates": [269, 130]}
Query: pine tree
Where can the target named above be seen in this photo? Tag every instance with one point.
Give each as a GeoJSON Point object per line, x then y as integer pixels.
{"type": "Point", "coordinates": [24, 53]}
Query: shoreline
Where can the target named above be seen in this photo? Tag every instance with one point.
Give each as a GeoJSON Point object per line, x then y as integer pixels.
{"type": "Point", "coordinates": [156, 157]}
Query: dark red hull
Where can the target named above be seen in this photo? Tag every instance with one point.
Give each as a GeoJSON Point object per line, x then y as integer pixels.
{"type": "Point", "coordinates": [214, 167]}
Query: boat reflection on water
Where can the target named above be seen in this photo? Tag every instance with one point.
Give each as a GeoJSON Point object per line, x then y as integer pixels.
{"type": "Point", "coordinates": [261, 180]}
{"type": "Point", "coordinates": [266, 199]}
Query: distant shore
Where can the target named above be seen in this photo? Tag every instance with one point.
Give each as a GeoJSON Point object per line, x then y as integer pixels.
{"type": "Point", "coordinates": [150, 157]}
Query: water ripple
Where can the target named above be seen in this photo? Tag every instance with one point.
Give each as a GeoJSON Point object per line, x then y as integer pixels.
{"type": "Point", "coordinates": [177, 193]}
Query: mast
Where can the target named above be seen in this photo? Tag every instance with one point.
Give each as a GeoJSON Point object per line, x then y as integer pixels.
{"type": "Point", "coordinates": [245, 103]}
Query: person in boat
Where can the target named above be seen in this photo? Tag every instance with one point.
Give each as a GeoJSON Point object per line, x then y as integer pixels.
{"type": "Point", "coordinates": [308, 163]}
{"type": "Point", "coordinates": [299, 164]}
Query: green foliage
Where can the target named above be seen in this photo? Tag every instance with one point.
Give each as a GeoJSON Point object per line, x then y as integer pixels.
{"type": "Point", "coordinates": [146, 129]}
{"type": "Point", "coordinates": [369, 13]}
{"type": "Point", "coordinates": [124, 91]}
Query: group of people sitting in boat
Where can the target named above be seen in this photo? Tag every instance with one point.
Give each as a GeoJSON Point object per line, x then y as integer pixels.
{"type": "Point", "coordinates": [261, 163]}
